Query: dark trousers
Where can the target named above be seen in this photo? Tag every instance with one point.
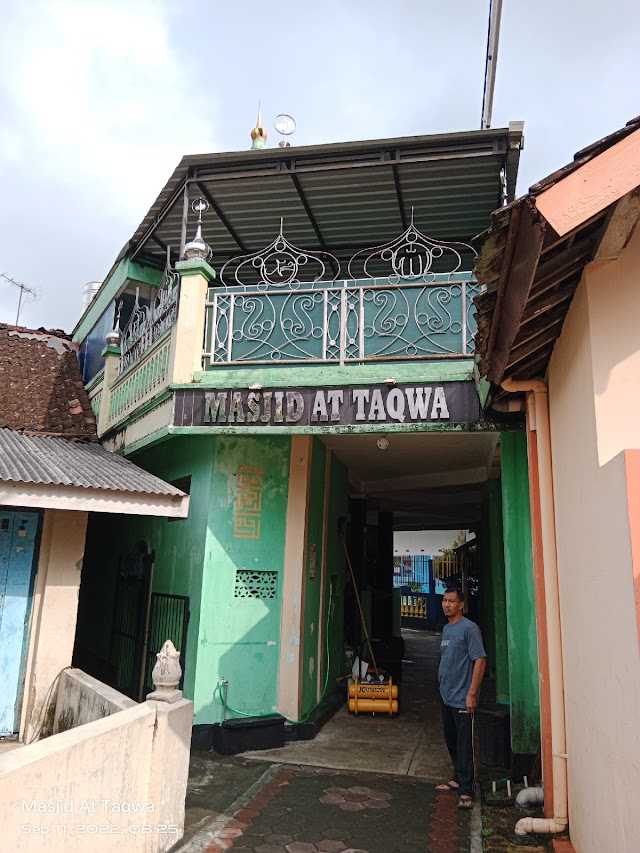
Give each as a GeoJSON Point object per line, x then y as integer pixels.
{"type": "Point", "coordinates": [458, 734]}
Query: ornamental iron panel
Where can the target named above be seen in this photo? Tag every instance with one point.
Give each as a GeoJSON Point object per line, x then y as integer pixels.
{"type": "Point", "coordinates": [419, 305]}
{"type": "Point", "coordinates": [345, 322]}
{"type": "Point", "coordinates": [280, 264]}
{"type": "Point", "coordinates": [410, 257]}
{"type": "Point", "coordinates": [148, 323]}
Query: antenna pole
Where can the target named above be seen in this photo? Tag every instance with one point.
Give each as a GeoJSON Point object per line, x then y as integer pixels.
{"type": "Point", "coordinates": [493, 37]}
{"type": "Point", "coordinates": [23, 289]}
{"type": "Point", "coordinates": [19, 305]}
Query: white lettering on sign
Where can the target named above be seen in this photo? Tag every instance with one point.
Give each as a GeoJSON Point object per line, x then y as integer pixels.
{"type": "Point", "coordinates": [439, 409]}
{"type": "Point", "coordinates": [330, 405]}
{"type": "Point", "coordinates": [319, 411]}
{"type": "Point", "coordinates": [418, 400]}
{"type": "Point", "coordinates": [395, 404]}
{"type": "Point", "coordinates": [336, 399]}
{"type": "Point", "coordinates": [376, 412]}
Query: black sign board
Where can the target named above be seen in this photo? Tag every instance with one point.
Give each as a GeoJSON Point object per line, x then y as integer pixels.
{"type": "Point", "coordinates": [449, 402]}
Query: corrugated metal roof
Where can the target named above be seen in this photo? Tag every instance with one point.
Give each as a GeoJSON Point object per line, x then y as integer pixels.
{"type": "Point", "coordinates": [359, 194]}
{"type": "Point", "coordinates": [339, 198]}
{"type": "Point", "coordinates": [61, 462]}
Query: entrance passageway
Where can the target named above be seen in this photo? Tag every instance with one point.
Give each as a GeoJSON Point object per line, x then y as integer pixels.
{"type": "Point", "coordinates": [410, 744]}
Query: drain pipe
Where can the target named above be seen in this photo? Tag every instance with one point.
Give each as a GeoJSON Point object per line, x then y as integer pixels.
{"type": "Point", "coordinates": [530, 797]}
{"type": "Point", "coordinates": [560, 819]}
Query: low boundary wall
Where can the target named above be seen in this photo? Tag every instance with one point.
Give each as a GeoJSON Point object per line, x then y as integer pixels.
{"type": "Point", "coordinates": [81, 699]}
{"type": "Point", "coordinates": [117, 783]}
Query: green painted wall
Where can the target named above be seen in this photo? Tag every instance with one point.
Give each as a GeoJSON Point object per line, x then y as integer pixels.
{"type": "Point", "coordinates": [498, 591]}
{"type": "Point", "coordinates": [312, 588]}
{"type": "Point", "coordinates": [521, 628]}
{"type": "Point", "coordinates": [179, 547]}
{"type": "Point", "coordinates": [303, 375]}
{"type": "Point", "coordinates": [239, 637]}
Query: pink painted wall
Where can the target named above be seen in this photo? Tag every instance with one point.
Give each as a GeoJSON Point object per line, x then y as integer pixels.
{"type": "Point", "coordinates": [590, 429]}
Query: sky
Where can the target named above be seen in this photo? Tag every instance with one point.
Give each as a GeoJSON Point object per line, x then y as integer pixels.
{"type": "Point", "coordinates": [99, 100]}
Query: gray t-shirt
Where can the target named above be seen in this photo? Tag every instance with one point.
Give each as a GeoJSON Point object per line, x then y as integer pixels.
{"type": "Point", "coordinates": [461, 645]}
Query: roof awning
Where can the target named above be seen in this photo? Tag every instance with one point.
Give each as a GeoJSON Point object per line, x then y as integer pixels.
{"type": "Point", "coordinates": [340, 197]}
{"type": "Point", "coordinates": [532, 258]}
{"type": "Point", "coordinates": [46, 472]}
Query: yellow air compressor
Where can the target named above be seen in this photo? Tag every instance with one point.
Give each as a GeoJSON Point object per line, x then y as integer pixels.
{"type": "Point", "coordinates": [375, 697]}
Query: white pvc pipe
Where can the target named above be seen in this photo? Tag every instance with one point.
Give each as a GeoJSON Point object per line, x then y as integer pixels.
{"type": "Point", "coordinates": [560, 819]}
{"type": "Point", "coordinates": [541, 825]}
{"type": "Point", "coordinates": [530, 797]}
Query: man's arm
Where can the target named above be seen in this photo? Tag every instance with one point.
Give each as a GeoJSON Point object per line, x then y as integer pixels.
{"type": "Point", "coordinates": [479, 667]}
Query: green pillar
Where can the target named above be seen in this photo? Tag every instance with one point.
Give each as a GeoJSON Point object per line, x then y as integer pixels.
{"type": "Point", "coordinates": [498, 589]}
{"type": "Point", "coordinates": [520, 603]}
{"type": "Point", "coordinates": [486, 613]}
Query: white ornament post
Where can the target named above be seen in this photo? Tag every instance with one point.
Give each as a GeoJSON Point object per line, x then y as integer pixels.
{"type": "Point", "coordinates": [166, 675]}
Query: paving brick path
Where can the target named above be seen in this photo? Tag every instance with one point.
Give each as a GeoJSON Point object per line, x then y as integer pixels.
{"type": "Point", "coordinates": [316, 810]}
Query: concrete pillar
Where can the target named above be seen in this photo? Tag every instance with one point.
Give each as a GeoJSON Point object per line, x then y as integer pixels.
{"type": "Point", "coordinates": [188, 336]}
{"type": "Point", "coordinates": [498, 590]}
{"type": "Point", "coordinates": [293, 582]}
{"type": "Point", "coordinates": [486, 614]}
{"type": "Point", "coordinates": [111, 355]}
{"type": "Point", "coordinates": [520, 603]}
{"type": "Point", "coordinates": [169, 772]}
{"type": "Point", "coordinates": [55, 611]}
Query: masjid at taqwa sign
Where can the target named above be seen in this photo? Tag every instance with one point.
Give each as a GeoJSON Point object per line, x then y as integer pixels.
{"type": "Point", "coordinates": [449, 402]}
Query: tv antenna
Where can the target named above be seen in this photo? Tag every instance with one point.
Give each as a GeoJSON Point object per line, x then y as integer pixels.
{"type": "Point", "coordinates": [285, 125]}
{"type": "Point", "coordinates": [26, 293]}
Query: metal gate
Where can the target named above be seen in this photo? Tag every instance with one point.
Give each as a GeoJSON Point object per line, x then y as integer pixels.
{"type": "Point", "coordinates": [168, 620]}
{"type": "Point", "coordinates": [129, 622]}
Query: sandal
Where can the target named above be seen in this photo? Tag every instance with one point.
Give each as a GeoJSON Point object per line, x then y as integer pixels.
{"type": "Point", "coordinates": [447, 786]}
{"type": "Point", "coordinates": [465, 802]}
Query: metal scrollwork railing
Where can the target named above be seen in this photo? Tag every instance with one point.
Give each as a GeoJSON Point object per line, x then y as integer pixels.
{"type": "Point", "coordinates": [339, 323]}
{"type": "Point", "coordinates": [280, 264]}
{"type": "Point", "coordinates": [411, 257]}
{"type": "Point", "coordinates": [148, 323]}
{"type": "Point", "coordinates": [419, 306]}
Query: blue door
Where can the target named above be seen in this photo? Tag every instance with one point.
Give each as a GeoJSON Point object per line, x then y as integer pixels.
{"type": "Point", "coordinates": [18, 532]}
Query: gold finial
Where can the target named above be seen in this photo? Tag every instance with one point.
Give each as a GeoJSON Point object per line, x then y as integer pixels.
{"type": "Point", "coordinates": [258, 134]}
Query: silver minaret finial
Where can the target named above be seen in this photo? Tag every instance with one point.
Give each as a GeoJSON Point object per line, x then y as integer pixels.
{"type": "Point", "coordinates": [197, 248]}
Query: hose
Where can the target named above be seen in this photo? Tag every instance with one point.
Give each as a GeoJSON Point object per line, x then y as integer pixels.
{"type": "Point", "coordinates": [227, 707]}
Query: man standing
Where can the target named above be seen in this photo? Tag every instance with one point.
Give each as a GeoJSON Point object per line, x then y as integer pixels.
{"type": "Point", "coordinates": [462, 665]}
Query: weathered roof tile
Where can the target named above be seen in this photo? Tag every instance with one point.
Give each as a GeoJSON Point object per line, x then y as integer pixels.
{"type": "Point", "coordinates": [41, 389]}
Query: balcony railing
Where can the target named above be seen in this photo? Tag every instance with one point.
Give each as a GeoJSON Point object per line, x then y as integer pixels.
{"type": "Point", "coordinates": [341, 322]}
{"type": "Point", "coordinates": [403, 300]}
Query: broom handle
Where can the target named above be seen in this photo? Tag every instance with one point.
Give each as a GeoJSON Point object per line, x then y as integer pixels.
{"type": "Point", "coordinates": [355, 589]}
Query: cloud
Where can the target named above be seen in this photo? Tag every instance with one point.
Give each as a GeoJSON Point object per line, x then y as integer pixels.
{"type": "Point", "coordinates": [101, 98]}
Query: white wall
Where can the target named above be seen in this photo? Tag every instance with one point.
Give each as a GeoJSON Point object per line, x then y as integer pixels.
{"type": "Point", "coordinates": [111, 785]}
{"type": "Point", "coordinates": [599, 628]}
{"type": "Point", "coordinates": [429, 542]}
